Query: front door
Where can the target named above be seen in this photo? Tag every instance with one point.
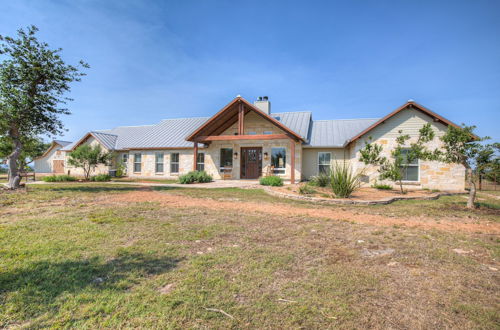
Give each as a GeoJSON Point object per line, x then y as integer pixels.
{"type": "Point", "coordinates": [251, 162]}
{"type": "Point", "coordinates": [58, 166]}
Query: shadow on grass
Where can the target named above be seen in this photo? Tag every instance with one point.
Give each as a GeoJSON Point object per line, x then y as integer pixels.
{"type": "Point", "coordinates": [33, 290]}
{"type": "Point", "coordinates": [87, 188]}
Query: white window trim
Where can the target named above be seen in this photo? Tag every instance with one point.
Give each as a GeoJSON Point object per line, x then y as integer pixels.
{"type": "Point", "coordinates": [279, 168]}
{"type": "Point", "coordinates": [177, 162]}
{"type": "Point", "coordinates": [157, 162]}
{"type": "Point", "coordinates": [418, 171]}
{"type": "Point", "coordinates": [199, 163]}
{"type": "Point", "coordinates": [222, 168]}
{"type": "Point", "coordinates": [140, 162]}
{"type": "Point", "coordinates": [324, 152]}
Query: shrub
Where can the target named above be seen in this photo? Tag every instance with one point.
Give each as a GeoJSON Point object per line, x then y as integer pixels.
{"type": "Point", "coordinates": [195, 176]}
{"type": "Point", "coordinates": [321, 180]}
{"type": "Point", "coordinates": [343, 180]}
{"type": "Point", "coordinates": [271, 180]}
{"type": "Point", "coordinates": [381, 186]}
{"type": "Point", "coordinates": [306, 189]}
{"type": "Point", "coordinates": [101, 178]}
{"type": "Point", "coordinates": [58, 178]}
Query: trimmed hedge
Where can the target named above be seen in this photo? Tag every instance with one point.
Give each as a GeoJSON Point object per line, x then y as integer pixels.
{"type": "Point", "coordinates": [380, 186]}
{"type": "Point", "coordinates": [271, 180]}
{"type": "Point", "coordinates": [58, 178]}
{"type": "Point", "coordinates": [101, 178]}
{"type": "Point", "coordinates": [195, 177]}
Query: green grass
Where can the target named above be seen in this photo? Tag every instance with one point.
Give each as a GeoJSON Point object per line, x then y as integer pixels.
{"type": "Point", "coordinates": [144, 180]}
{"type": "Point", "coordinates": [72, 258]}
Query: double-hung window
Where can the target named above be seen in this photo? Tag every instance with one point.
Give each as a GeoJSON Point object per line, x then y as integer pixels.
{"type": "Point", "coordinates": [278, 160]}
{"type": "Point", "coordinates": [159, 162]}
{"type": "Point", "coordinates": [409, 169]}
{"type": "Point", "coordinates": [125, 159]}
{"type": "Point", "coordinates": [137, 163]}
{"type": "Point", "coordinates": [174, 162]}
{"type": "Point", "coordinates": [200, 162]}
{"type": "Point", "coordinates": [226, 158]}
{"type": "Point", "coordinates": [324, 162]}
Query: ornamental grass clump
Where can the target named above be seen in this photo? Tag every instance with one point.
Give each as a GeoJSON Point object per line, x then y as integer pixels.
{"type": "Point", "coordinates": [321, 180]}
{"type": "Point", "coordinates": [343, 180]}
{"type": "Point", "coordinates": [194, 177]}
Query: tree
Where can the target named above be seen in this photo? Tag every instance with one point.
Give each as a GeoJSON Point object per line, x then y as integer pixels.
{"type": "Point", "coordinates": [88, 157]}
{"type": "Point", "coordinates": [32, 148]}
{"type": "Point", "coordinates": [462, 146]}
{"type": "Point", "coordinates": [393, 169]}
{"type": "Point", "coordinates": [33, 82]}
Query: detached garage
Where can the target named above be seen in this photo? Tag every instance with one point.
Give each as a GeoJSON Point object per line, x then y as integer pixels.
{"type": "Point", "coordinates": [52, 161]}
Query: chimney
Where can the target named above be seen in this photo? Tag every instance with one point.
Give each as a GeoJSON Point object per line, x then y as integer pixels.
{"type": "Point", "coordinates": [263, 104]}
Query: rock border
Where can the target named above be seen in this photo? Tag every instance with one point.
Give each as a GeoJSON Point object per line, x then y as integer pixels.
{"type": "Point", "coordinates": [384, 201]}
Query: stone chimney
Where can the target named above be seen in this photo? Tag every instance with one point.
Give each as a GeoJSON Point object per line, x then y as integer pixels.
{"type": "Point", "coordinates": [263, 104]}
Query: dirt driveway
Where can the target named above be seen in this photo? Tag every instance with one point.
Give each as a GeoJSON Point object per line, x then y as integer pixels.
{"type": "Point", "coordinates": [279, 209]}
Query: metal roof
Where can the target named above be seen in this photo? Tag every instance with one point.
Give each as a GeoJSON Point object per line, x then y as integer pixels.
{"type": "Point", "coordinates": [172, 133]}
{"type": "Point", "coordinates": [336, 133]}
{"type": "Point", "coordinates": [296, 121]}
{"type": "Point", "coordinates": [62, 143]}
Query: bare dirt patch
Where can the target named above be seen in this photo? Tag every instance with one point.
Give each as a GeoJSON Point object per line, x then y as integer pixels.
{"type": "Point", "coordinates": [278, 209]}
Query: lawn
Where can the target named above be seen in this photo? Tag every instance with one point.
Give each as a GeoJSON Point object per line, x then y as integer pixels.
{"type": "Point", "coordinates": [98, 255]}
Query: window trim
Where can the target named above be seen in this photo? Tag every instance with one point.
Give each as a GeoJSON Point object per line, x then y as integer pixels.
{"type": "Point", "coordinates": [221, 167]}
{"type": "Point", "coordinates": [324, 152]}
{"type": "Point", "coordinates": [175, 163]}
{"type": "Point", "coordinates": [412, 165]}
{"type": "Point", "coordinates": [162, 162]}
{"type": "Point", "coordinates": [279, 170]}
{"type": "Point", "coordinates": [140, 162]}
{"type": "Point", "coordinates": [198, 163]}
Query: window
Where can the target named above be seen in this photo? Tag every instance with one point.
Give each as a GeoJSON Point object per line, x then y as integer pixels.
{"type": "Point", "coordinates": [252, 133]}
{"type": "Point", "coordinates": [268, 132]}
{"type": "Point", "coordinates": [125, 159]}
{"type": "Point", "coordinates": [137, 162]}
{"type": "Point", "coordinates": [278, 160]}
{"type": "Point", "coordinates": [174, 163]}
{"type": "Point", "coordinates": [159, 162]}
{"type": "Point", "coordinates": [226, 157]}
{"type": "Point", "coordinates": [410, 170]}
{"type": "Point", "coordinates": [200, 162]}
{"type": "Point", "coordinates": [324, 162]}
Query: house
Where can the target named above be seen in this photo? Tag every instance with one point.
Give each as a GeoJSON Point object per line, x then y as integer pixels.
{"type": "Point", "coordinates": [52, 160]}
{"type": "Point", "coordinates": [245, 141]}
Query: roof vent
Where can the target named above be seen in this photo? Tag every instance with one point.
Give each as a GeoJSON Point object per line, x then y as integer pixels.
{"type": "Point", "coordinates": [263, 104]}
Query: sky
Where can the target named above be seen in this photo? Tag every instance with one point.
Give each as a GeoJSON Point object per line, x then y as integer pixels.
{"type": "Point", "coordinates": [152, 60]}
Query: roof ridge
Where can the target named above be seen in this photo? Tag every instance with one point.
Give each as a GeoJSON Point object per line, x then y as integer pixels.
{"type": "Point", "coordinates": [103, 133]}
{"type": "Point", "coordinates": [183, 118]}
{"type": "Point", "coordinates": [302, 111]}
{"type": "Point", "coordinates": [344, 119]}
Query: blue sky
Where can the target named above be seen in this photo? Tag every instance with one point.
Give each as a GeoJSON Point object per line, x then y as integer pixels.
{"type": "Point", "coordinates": [152, 60]}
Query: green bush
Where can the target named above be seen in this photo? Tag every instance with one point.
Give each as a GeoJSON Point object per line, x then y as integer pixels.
{"type": "Point", "coordinates": [343, 180]}
{"type": "Point", "coordinates": [195, 176]}
{"type": "Point", "coordinates": [101, 178]}
{"type": "Point", "coordinates": [58, 178]}
{"type": "Point", "coordinates": [382, 186]}
{"type": "Point", "coordinates": [271, 180]}
{"type": "Point", "coordinates": [306, 189]}
{"type": "Point", "coordinates": [321, 180]}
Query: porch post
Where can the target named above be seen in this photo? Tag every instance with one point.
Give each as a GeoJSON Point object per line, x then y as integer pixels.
{"type": "Point", "coordinates": [292, 162]}
{"type": "Point", "coordinates": [195, 155]}
{"type": "Point", "coordinates": [241, 117]}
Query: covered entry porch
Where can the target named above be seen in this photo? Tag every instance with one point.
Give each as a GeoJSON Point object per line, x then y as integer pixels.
{"type": "Point", "coordinates": [247, 143]}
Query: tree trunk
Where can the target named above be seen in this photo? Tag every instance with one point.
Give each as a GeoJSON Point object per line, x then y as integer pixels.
{"type": "Point", "coordinates": [472, 190]}
{"type": "Point", "coordinates": [12, 160]}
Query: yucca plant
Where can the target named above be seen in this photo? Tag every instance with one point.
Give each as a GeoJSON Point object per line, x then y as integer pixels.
{"type": "Point", "coordinates": [343, 180]}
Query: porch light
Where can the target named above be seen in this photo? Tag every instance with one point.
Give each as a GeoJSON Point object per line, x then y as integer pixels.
{"type": "Point", "coordinates": [235, 154]}
{"type": "Point", "coordinates": [266, 155]}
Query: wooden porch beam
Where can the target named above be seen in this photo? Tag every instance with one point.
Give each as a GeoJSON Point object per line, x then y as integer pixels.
{"type": "Point", "coordinates": [241, 117]}
{"type": "Point", "coordinates": [242, 137]}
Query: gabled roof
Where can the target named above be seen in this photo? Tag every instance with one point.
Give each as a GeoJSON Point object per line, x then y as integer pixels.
{"type": "Point", "coordinates": [52, 145]}
{"type": "Point", "coordinates": [228, 115]}
{"type": "Point", "coordinates": [336, 133]}
{"type": "Point", "coordinates": [296, 121]}
{"type": "Point", "coordinates": [409, 104]}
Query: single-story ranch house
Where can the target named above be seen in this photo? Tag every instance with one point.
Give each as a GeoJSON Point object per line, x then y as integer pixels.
{"type": "Point", "coordinates": [246, 141]}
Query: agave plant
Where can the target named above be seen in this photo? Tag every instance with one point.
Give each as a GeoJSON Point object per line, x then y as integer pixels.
{"type": "Point", "coordinates": [343, 180]}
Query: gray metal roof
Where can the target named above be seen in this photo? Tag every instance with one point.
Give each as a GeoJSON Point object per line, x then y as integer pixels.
{"type": "Point", "coordinates": [172, 133]}
{"type": "Point", "coordinates": [62, 143]}
{"type": "Point", "coordinates": [296, 121]}
{"type": "Point", "coordinates": [336, 133]}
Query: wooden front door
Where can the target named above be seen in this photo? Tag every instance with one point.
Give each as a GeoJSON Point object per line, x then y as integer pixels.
{"type": "Point", "coordinates": [251, 162]}
{"type": "Point", "coordinates": [58, 166]}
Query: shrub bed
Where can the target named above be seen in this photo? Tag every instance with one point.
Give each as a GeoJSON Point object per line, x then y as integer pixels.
{"type": "Point", "coordinates": [195, 177]}
{"type": "Point", "coordinates": [58, 178]}
{"type": "Point", "coordinates": [272, 180]}
{"type": "Point", "coordinates": [101, 178]}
